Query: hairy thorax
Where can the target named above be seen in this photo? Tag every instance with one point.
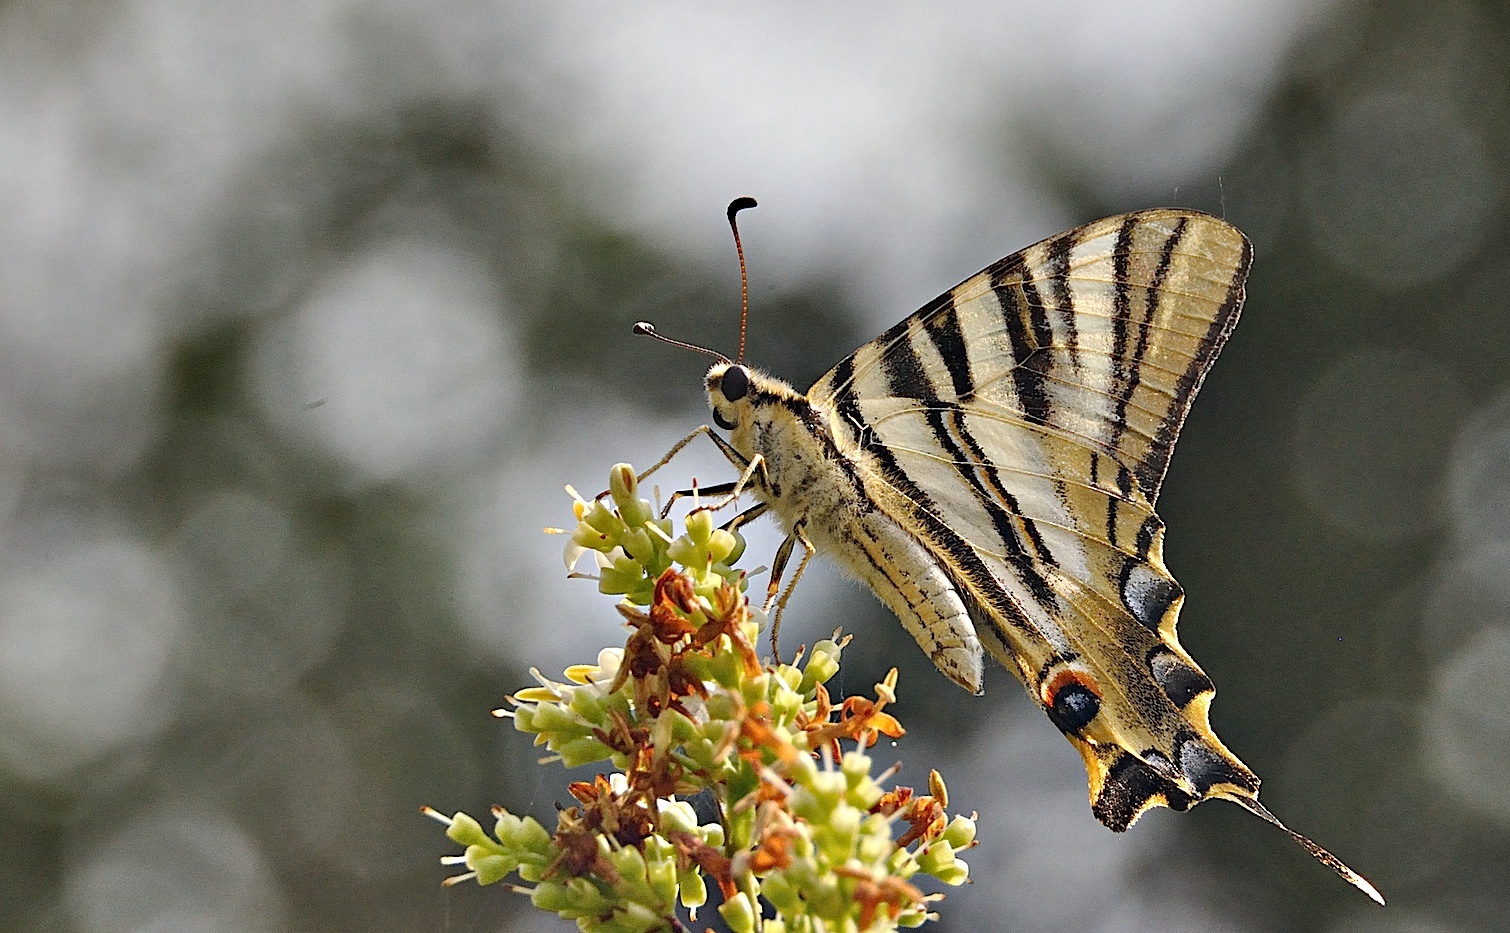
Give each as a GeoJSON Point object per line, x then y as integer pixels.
{"type": "Point", "coordinates": [807, 475]}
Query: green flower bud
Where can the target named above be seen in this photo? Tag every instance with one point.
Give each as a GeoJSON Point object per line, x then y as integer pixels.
{"type": "Point", "coordinates": [630, 863]}
{"type": "Point", "coordinates": [533, 836]}
{"type": "Point", "coordinates": [785, 702]}
{"type": "Point", "coordinates": [509, 830]}
{"type": "Point", "coordinates": [588, 703]}
{"type": "Point", "coordinates": [782, 895]}
{"type": "Point", "coordinates": [601, 519]}
{"type": "Point", "coordinates": [694, 890]}
{"type": "Point", "coordinates": [634, 918]}
{"type": "Point", "coordinates": [524, 719]}
{"type": "Point", "coordinates": [713, 835]}
{"type": "Point", "coordinates": [724, 668]}
{"type": "Point", "coordinates": [684, 552]}
{"type": "Point", "coordinates": [825, 899]}
{"type": "Point", "coordinates": [960, 832]}
{"type": "Point", "coordinates": [875, 844]}
{"type": "Point", "coordinates": [819, 793]}
{"type": "Point", "coordinates": [790, 678]}
{"type": "Point", "coordinates": [582, 751]}
{"type": "Point", "coordinates": [822, 665]}
{"type": "Point", "coordinates": [624, 576]}
{"type": "Point", "coordinates": [660, 872]}
{"type": "Point", "coordinates": [572, 898]}
{"type": "Point", "coordinates": [957, 872]}
{"type": "Point", "coordinates": [902, 863]}
{"type": "Point", "coordinates": [860, 790]}
{"type": "Point", "coordinates": [638, 544]}
{"type": "Point", "coordinates": [700, 528]}
{"type": "Point", "coordinates": [741, 822]}
{"type": "Point", "coordinates": [624, 489]}
{"type": "Point", "coordinates": [586, 536]}
{"type": "Point", "coordinates": [550, 718]}
{"type": "Point", "coordinates": [490, 867]}
{"type": "Point", "coordinates": [837, 835]}
{"type": "Point", "coordinates": [754, 689]}
{"type": "Point", "coordinates": [466, 831]}
{"type": "Point", "coordinates": [937, 859]}
{"type": "Point", "coordinates": [722, 546]}
{"type": "Point", "coordinates": [678, 816]}
{"type": "Point", "coordinates": [533, 871]}
{"type": "Point", "coordinates": [739, 913]}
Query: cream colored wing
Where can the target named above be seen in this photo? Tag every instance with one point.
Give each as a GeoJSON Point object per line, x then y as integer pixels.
{"type": "Point", "coordinates": [1022, 424]}
{"type": "Point", "coordinates": [1104, 333]}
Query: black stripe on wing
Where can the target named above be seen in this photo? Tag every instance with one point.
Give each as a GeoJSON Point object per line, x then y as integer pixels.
{"type": "Point", "coordinates": [1035, 301]}
{"type": "Point", "coordinates": [1019, 538]}
{"type": "Point", "coordinates": [961, 555]}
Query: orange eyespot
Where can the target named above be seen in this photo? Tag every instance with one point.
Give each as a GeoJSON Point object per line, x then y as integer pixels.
{"type": "Point", "coordinates": [1071, 699]}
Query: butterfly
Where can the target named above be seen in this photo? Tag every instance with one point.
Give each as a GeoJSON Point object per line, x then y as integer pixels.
{"type": "Point", "coordinates": [989, 467]}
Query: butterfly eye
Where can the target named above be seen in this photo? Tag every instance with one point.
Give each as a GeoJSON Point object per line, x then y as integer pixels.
{"type": "Point", "coordinates": [735, 384]}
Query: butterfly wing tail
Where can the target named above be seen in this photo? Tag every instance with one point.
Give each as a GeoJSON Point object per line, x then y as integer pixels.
{"type": "Point", "coordinates": [1326, 858]}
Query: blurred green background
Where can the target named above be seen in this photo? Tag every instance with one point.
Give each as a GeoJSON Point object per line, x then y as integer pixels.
{"type": "Point", "coordinates": [309, 309]}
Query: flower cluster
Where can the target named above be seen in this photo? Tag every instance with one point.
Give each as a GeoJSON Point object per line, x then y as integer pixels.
{"type": "Point", "coordinates": [633, 547]}
{"type": "Point", "coordinates": [686, 709]}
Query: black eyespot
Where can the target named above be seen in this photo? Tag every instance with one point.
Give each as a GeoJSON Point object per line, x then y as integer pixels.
{"type": "Point", "coordinates": [1147, 595]}
{"type": "Point", "coordinates": [735, 384]}
{"type": "Point", "coordinates": [723, 422]}
{"type": "Point", "coordinates": [1074, 707]}
{"type": "Point", "coordinates": [1181, 682]}
{"type": "Point", "coordinates": [1205, 768]}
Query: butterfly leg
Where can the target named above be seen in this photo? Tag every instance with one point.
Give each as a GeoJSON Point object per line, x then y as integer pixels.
{"type": "Point", "coordinates": [723, 446]}
{"type": "Point", "coordinates": [721, 489]}
{"type": "Point", "coordinates": [778, 566]}
{"type": "Point", "coordinates": [729, 491]}
{"type": "Point", "coordinates": [745, 517]}
{"type": "Point", "coordinates": [753, 470]}
{"type": "Point", "coordinates": [676, 449]}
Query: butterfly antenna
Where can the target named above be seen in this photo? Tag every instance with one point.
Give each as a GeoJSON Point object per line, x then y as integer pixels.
{"type": "Point", "coordinates": [646, 329]}
{"type": "Point", "coordinates": [735, 206]}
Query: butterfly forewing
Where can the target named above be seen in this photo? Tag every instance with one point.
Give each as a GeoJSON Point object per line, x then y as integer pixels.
{"type": "Point", "coordinates": [1104, 333]}
{"type": "Point", "coordinates": [1027, 416]}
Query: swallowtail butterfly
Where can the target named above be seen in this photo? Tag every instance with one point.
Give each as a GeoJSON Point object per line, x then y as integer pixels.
{"type": "Point", "coordinates": [989, 468]}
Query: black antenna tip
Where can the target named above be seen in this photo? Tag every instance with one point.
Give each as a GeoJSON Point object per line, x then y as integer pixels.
{"type": "Point", "coordinates": [644, 328]}
{"type": "Point", "coordinates": [739, 204]}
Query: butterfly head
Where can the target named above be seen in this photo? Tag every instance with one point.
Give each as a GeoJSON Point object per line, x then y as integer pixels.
{"type": "Point", "coordinates": [729, 394]}
{"type": "Point", "coordinates": [741, 397]}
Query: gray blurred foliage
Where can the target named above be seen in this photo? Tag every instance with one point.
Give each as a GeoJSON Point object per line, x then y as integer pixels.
{"type": "Point", "coordinates": [323, 660]}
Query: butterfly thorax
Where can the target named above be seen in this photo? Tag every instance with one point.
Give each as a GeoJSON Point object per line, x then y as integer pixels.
{"type": "Point", "coordinates": [768, 418]}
